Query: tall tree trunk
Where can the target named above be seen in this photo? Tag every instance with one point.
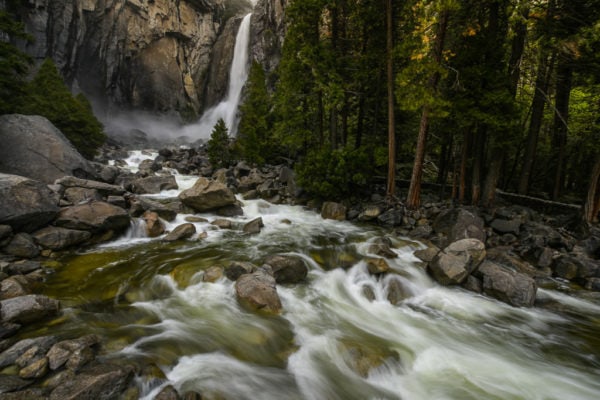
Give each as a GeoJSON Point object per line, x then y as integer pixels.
{"type": "Point", "coordinates": [491, 180]}
{"type": "Point", "coordinates": [391, 178]}
{"type": "Point", "coordinates": [516, 54]}
{"type": "Point", "coordinates": [564, 75]}
{"type": "Point", "coordinates": [464, 160]}
{"type": "Point", "coordinates": [360, 121]}
{"type": "Point", "coordinates": [478, 163]}
{"type": "Point", "coordinates": [537, 114]}
{"type": "Point", "coordinates": [413, 199]}
{"type": "Point", "coordinates": [591, 207]}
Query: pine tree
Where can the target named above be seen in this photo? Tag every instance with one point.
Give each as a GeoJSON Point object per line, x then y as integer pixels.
{"type": "Point", "coordinates": [48, 96]}
{"type": "Point", "coordinates": [218, 148]}
{"type": "Point", "coordinates": [254, 142]}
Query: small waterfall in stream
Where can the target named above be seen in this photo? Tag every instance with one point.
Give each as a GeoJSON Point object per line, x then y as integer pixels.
{"type": "Point", "coordinates": [227, 109]}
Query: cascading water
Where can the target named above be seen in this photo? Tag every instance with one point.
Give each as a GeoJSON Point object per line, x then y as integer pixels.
{"type": "Point", "coordinates": [343, 333]}
{"type": "Point", "coordinates": [227, 109]}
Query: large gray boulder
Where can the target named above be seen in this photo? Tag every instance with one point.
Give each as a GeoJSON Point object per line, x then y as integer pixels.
{"type": "Point", "coordinates": [453, 265]}
{"type": "Point", "coordinates": [257, 291]}
{"type": "Point", "coordinates": [96, 216]}
{"type": "Point", "coordinates": [181, 232]}
{"type": "Point", "coordinates": [96, 381]}
{"type": "Point", "coordinates": [26, 204]}
{"type": "Point", "coordinates": [56, 238]}
{"type": "Point", "coordinates": [332, 210]}
{"type": "Point", "coordinates": [103, 188]}
{"type": "Point", "coordinates": [458, 223]}
{"type": "Point", "coordinates": [506, 285]}
{"type": "Point", "coordinates": [207, 195]}
{"type": "Point", "coordinates": [33, 147]}
{"type": "Point", "coordinates": [28, 308]}
{"type": "Point", "coordinates": [153, 184]}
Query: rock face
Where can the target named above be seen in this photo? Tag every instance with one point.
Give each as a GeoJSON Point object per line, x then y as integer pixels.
{"type": "Point", "coordinates": [25, 204]}
{"type": "Point", "coordinates": [287, 269]}
{"type": "Point", "coordinates": [207, 195]}
{"type": "Point", "coordinates": [33, 147]}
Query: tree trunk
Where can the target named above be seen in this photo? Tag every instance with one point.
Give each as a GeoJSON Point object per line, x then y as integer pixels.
{"type": "Point", "coordinates": [464, 159]}
{"type": "Point", "coordinates": [478, 162]}
{"type": "Point", "coordinates": [491, 180]}
{"type": "Point", "coordinates": [516, 54]}
{"type": "Point", "coordinates": [591, 207]}
{"type": "Point", "coordinates": [391, 178]}
{"type": "Point", "coordinates": [413, 200]}
{"type": "Point", "coordinates": [360, 121]}
{"type": "Point", "coordinates": [564, 75]}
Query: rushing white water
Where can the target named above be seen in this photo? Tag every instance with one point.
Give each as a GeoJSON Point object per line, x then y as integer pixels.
{"type": "Point", "coordinates": [228, 108]}
{"type": "Point", "coordinates": [339, 336]}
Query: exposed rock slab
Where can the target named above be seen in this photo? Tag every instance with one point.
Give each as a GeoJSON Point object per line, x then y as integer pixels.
{"type": "Point", "coordinates": [99, 381]}
{"type": "Point", "coordinates": [26, 204]}
{"type": "Point", "coordinates": [106, 189]}
{"type": "Point", "coordinates": [28, 308]}
{"type": "Point", "coordinates": [33, 147]}
{"type": "Point", "coordinates": [207, 195]}
{"type": "Point", "coordinates": [96, 216]}
{"type": "Point", "coordinates": [57, 238]}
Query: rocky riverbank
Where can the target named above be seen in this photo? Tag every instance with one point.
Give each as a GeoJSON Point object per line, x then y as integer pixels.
{"type": "Point", "coordinates": [504, 253]}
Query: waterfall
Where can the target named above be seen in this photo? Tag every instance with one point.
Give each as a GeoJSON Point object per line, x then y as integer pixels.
{"type": "Point", "coordinates": [227, 109]}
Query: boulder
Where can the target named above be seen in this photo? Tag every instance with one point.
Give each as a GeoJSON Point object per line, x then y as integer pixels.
{"type": "Point", "coordinates": [238, 268]}
{"type": "Point", "coordinates": [458, 223]}
{"type": "Point", "coordinates": [68, 351]}
{"type": "Point", "coordinates": [167, 393]}
{"type": "Point", "coordinates": [76, 195]}
{"type": "Point", "coordinates": [370, 213]}
{"type": "Point", "coordinates": [153, 184]}
{"type": "Point", "coordinates": [287, 269]}
{"type": "Point", "coordinates": [427, 255]}
{"type": "Point", "coordinates": [154, 227]}
{"type": "Point", "coordinates": [397, 291]}
{"type": "Point", "coordinates": [453, 265]}
{"type": "Point", "coordinates": [96, 381]}
{"type": "Point", "coordinates": [253, 226]}
{"type": "Point", "coordinates": [36, 369]}
{"type": "Point", "coordinates": [258, 291]}
{"type": "Point", "coordinates": [222, 223]}
{"type": "Point", "coordinates": [502, 226]}
{"type": "Point", "coordinates": [232, 210]}
{"type": "Point", "coordinates": [14, 286]}
{"type": "Point", "coordinates": [96, 216]}
{"type": "Point", "coordinates": [207, 195]}
{"type": "Point", "coordinates": [506, 285]}
{"type": "Point", "coordinates": [105, 189]}
{"type": "Point", "coordinates": [22, 245]}
{"type": "Point", "coordinates": [183, 231]}
{"type": "Point", "coordinates": [57, 238]}
{"type": "Point", "coordinates": [28, 308]}
{"type": "Point", "coordinates": [335, 211]}
{"type": "Point", "coordinates": [212, 274]}
{"type": "Point", "coordinates": [377, 266]}
{"type": "Point", "coordinates": [140, 204]}
{"type": "Point", "coordinates": [391, 217]}
{"type": "Point", "coordinates": [39, 345]}
{"type": "Point", "coordinates": [10, 383]}
{"type": "Point", "coordinates": [26, 204]}
{"type": "Point", "coordinates": [33, 147]}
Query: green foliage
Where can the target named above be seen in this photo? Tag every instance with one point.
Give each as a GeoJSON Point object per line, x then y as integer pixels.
{"type": "Point", "coordinates": [14, 64]}
{"type": "Point", "coordinates": [218, 146]}
{"type": "Point", "coordinates": [254, 141]}
{"type": "Point", "coordinates": [335, 174]}
{"type": "Point", "coordinates": [48, 96]}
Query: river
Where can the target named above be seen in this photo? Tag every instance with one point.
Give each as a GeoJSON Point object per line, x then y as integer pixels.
{"type": "Point", "coordinates": [332, 340]}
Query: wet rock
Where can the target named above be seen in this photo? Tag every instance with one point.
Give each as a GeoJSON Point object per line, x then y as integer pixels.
{"type": "Point", "coordinates": [335, 211]}
{"type": "Point", "coordinates": [253, 226]}
{"type": "Point", "coordinates": [57, 238]}
{"type": "Point", "coordinates": [96, 216]}
{"type": "Point", "coordinates": [212, 274]}
{"type": "Point", "coordinates": [22, 245]}
{"type": "Point", "coordinates": [28, 308]}
{"type": "Point", "coordinates": [458, 223]}
{"type": "Point", "coordinates": [222, 223]}
{"type": "Point", "coordinates": [8, 329]}
{"type": "Point", "coordinates": [377, 266]}
{"type": "Point", "coordinates": [9, 383]}
{"type": "Point", "coordinates": [257, 290]}
{"type": "Point", "coordinates": [592, 284]}
{"type": "Point", "coordinates": [566, 267]}
{"type": "Point", "coordinates": [427, 255]}
{"type": "Point", "coordinates": [40, 345]}
{"type": "Point", "coordinates": [207, 195]}
{"type": "Point", "coordinates": [23, 267]}
{"type": "Point", "coordinates": [153, 184]}
{"type": "Point", "coordinates": [36, 369]}
{"type": "Point", "coordinates": [233, 210]}
{"type": "Point", "coordinates": [26, 204]}
{"type": "Point", "coordinates": [99, 381]}
{"type": "Point", "coordinates": [392, 217]}
{"type": "Point", "coordinates": [370, 213]}
{"type": "Point", "coordinates": [452, 265]}
{"type": "Point", "coordinates": [33, 147]}
{"type": "Point", "coordinates": [181, 232]}
{"type": "Point", "coordinates": [382, 248]}
{"type": "Point", "coordinates": [473, 284]}
{"type": "Point", "coordinates": [167, 393]}
{"type": "Point", "coordinates": [397, 291]}
{"type": "Point", "coordinates": [5, 232]}
{"type": "Point", "coordinates": [27, 394]}
{"type": "Point", "coordinates": [74, 353]}
{"type": "Point", "coordinates": [140, 204]}
{"type": "Point", "coordinates": [154, 226]}
{"type": "Point", "coordinates": [106, 189]}
{"type": "Point", "coordinates": [118, 201]}
{"type": "Point", "coordinates": [14, 286]}
{"type": "Point", "coordinates": [509, 286]}
{"type": "Point", "coordinates": [193, 218]}
{"type": "Point", "coordinates": [287, 269]}
{"type": "Point", "coordinates": [238, 268]}
{"type": "Point", "coordinates": [76, 195]}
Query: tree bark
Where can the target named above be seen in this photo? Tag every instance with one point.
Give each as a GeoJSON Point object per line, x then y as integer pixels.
{"type": "Point", "coordinates": [391, 178]}
{"type": "Point", "coordinates": [413, 199]}
{"type": "Point", "coordinates": [564, 75]}
{"type": "Point", "coordinates": [516, 54]}
{"type": "Point", "coordinates": [464, 159]}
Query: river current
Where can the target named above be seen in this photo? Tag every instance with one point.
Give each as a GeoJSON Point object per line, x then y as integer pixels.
{"type": "Point", "coordinates": [338, 336]}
